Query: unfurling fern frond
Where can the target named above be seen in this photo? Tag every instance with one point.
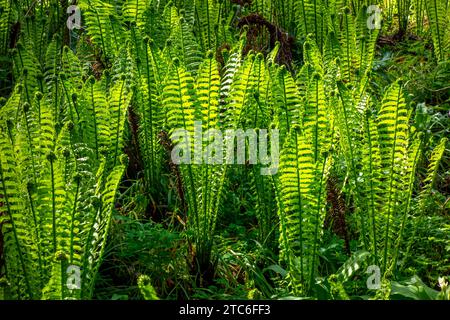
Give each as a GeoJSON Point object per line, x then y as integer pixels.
{"type": "Point", "coordinates": [146, 288]}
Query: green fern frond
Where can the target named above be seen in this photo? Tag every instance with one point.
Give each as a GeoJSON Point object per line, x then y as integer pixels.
{"type": "Point", "coordinates": [183, 43]}
{"type": "Point", "coordinates": [26, 70]}
{"type": "Point", "coordinates": [104, 28]}
{"type": "Point", "coordinates": [135, 11]}
{"type": "Point", "coordinates": [150, 110]}
{"type": "Point", "coordinates": [311, 20]}
{"type": "Point", "coordinates": [288, 111]}
{"type": "Point", "coordinates": [316, 120]}
{"type": "Point", "coordinates": [119, 101]}
{"type": "Point", "coordinates": [5, 24]}
{"type": "Point", "coordinates": [433, 166]}
{"type": "Point", "coordinates": [178, 99]}
{"type": "Point", "coordinates": [99, 224]}
{"type": "Point", "coordinates": [301, 190]}
{"type": "Point", "coordinates": [17, 238]}
{"type": "Point", "coordinates": [438, 13]}
{"type": "Point", "coordinates": [393, 136]}
{"type": "Point", "coordinates": [146, 288]}
{"type": "Point", "coordinates": [208, 18]}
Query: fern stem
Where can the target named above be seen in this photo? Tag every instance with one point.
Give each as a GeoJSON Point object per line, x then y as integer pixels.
{"type": "Point", "coordinates": [72, 224]}
{"type": "Point", "coordinates": [300, 201]}
{"type": "Point", "coordinates": [63, 279]}
{"type": "Point", "coordinates": [315, 25]}
{"type": "Point", "coordinates": [347, 48]}
{"type": "Point", "coordinates": [94, 114]}
{"type": "Point", "coordinates": [151, 126]}
{"type": "Point", "coordinates": [56, 101]}
{"type": "Point", "coordinates": [71, 104]}
{"type": "Point", "coordinates": [316, 123]}
{"type": "Point", "coordinates": [193, 193]}
{"type": "Point", "coordinates": [101, 32]}
{"type": "Point", "coordinates": [115, 40]}
{"type": "Point", "coordinates": [305, 21]}
{"type": "Point", "coordinates": [205, 185]}
{"type": "Point", "coordinates": [209, 25]}
{"type": "Point", "coordinates": [438, 30]}
{"type": "Point", "coordinates": [372, 192]}
{"type": "Point", "coordinates": [53, 205]}
{"type": "Point", "coordinates": [88, 251]}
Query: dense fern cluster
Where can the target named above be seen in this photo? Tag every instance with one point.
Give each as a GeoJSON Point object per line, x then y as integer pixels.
{"type": "Point", "coordinates": [138, 70]}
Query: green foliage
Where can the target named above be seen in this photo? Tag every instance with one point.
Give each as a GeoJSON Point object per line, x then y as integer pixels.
{"type": "Point", "coordinates": [104, 28]}
{"type": "Point", "coordinates": [302, 201]}
{"type": "Point", "coordinates": [413, 289]}
{"type": "Point", "coordinates": [148, 292]}
{"type": "Point", "coordinates": [61, 164]}
{"type": "Point", "coordinates": [67, 192]}
{"type": "Point", "coordinates": [440, 27]}
{"type": "Point", "coordinates": [93, 121]}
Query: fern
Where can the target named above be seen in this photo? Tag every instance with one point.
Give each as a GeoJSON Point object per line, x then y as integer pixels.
{"type": "Point", "coordinates": [150, 110]}
{"type": "Point", "coordinates": [100, 224]}
{"type": "Point", "coordinates": [200, 102]}
{"type": "Point", "coordinates": [183, 44]}
{"type": "Point", "coordinates": [5, 21]}
{"type": "Point", "coordinates": [15, 231]}
{"type": "Point", "coordinates": [287, 102]}
{"type": "Point", "coordinates": [302, 182]}
{"type": "Point", "coordinates": [208, 19]}
{"type": "Point", "coordinates": [429, 181]}
{"type": "Point", "coordinates": [135, 10]}
{"type": "Point", "coordinates": [104, 28]}
{"type": "Point", "coordinates": [146, 288]}
{"type": "Point", "coordinates": [48, 206]}
{"type": "Point", "coordinates": [439, 22]}
{"type": "Point", "coordinates": [393, 131]}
